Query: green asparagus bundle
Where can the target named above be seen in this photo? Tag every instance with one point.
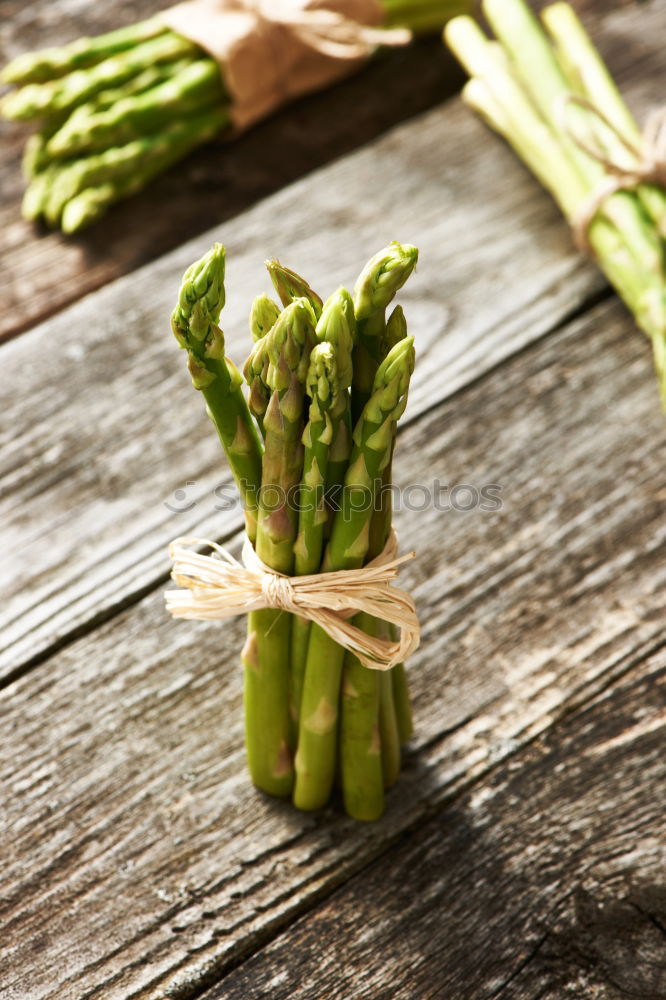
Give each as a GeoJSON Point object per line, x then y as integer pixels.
{"type": "Point", "coordinates": [546, 89]}
{"type": "Point", "coordinates": [116, 110]}
{"type": "Point", "coordinates": [311, 452]}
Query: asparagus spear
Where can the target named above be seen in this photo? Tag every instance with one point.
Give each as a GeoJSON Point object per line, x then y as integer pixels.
{"type": "Point", "coordinates": [37, 99]}
{"type": "Point", "coordinates": [347, 549]}
{"type": "Point", "coordinates": [108, 98]}
{"type": "Point", "coordinates": [363, 766]}
{"type": "Point", "coordinates": [194, 323]}
{"type": "Point", "coordinates": [263, 316]}
{"type": "Point", "coordinates": [197, 87]}
{"type": "Point", "coordinates": [36, 156]}
{"type": "Point", "coordinates": [255, 372]}
{"type": "Point", "coordinates": [266, 654]}
{"type": "Point", "coordinates": [90, 204]}
{"type": "Point", "coordinates": [47, 64]}
{"type": "Point", "coordinates": [131, 163]}
{"type": "Point", "coordinates": [372, 689]}
{"type": "Point", "coordinates": [36, 194]}
{"type": "Point", "coordinates": [336, 326]}
{"type": "Point", "coordinates": [383, 275]}
{"type": "Point", "coordinates": [341, 443]}
{"type": "Point", "coordinates": [329, 379]}
{"type": "Point", "coordinates": [290, 286]}
{"type": "Point", "coordinates": [395, 706]}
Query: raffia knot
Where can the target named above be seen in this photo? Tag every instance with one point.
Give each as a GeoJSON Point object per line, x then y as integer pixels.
{"type": "Point", "coordinates": [278, 592]}
{"type": "Point", "coordinates": [218, 586]}
{"type": "Point", "coordinates": [646, 162]}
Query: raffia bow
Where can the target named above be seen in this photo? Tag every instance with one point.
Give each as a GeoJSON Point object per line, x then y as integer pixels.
{"type": "Point", "coordinates": [271, 51]}
{"type": "Point", "coordinates": [218, 586]}
{"type": "Point", "coordinates": [647, 162]}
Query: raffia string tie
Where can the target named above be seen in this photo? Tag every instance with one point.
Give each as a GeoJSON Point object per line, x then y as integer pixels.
{"type": "Point", "coordinates": [271, 51]}
{"type": "Point", "coordinates": [218, 586]}
{"type": "Point", "coordinates": [646, 161]}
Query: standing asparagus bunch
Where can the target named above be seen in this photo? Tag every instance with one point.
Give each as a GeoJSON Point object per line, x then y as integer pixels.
{"type": "Point", "coordinates": [548, 92]}
{"type": "Point", "coordinates": [311, 452]}
{"type": "Point", "coordinates": [116, 110]}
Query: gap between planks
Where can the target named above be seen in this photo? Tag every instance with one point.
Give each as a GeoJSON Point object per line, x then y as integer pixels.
{"type": "Point", "coordinates": [554, 858]}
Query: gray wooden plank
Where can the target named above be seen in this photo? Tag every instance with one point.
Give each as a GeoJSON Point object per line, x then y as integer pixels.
{"type": "Point", "coordinates": [545, 880]}
{"type": "Point", "coordinates": [117, 430]}
{"type": "Point", "coordinates": [138, 860]}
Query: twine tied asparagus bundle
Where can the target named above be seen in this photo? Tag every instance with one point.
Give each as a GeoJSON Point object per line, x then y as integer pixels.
{"type": "Point", "coordinates": [310, 448]}
{"type": "Point", "coordinates": [219, 588]}
{"type": "Point", "coordinates": [119, 109]}
{"type": "Point", "coordinates": [545, 88]}
{"type": "Point", "coordinates": [646, 163]}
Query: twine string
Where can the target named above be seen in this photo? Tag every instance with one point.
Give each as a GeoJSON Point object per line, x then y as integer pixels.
{"type": "Point", "coordinates": [271, 51]}
{"type": "Point", "coordinates": [218, 586]}
{"type": "Point", "coordinates": [647, 166]}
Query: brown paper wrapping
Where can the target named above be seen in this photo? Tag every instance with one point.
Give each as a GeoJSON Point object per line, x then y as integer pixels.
{"type": "Point", "coordinates": [271, 51]}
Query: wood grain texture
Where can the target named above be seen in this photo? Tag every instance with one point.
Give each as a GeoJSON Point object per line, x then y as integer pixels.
{"type": "Point", "coordinates": [545, 880]}
{"type": "Point", "coordinates": [42, 272]}
{"type": "Point", "coordinates": [139, 863]}
{"type": "Point", "coordinates": [119, 430]}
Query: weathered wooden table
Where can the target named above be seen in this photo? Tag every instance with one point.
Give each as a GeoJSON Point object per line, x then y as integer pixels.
{"type": "Point", "coordinates": [522, 853]}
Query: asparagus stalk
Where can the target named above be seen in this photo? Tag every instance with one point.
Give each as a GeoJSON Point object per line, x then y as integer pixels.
{"type": "Point", "coordinates": [194, 323]}
{"type": "Point", "coordinates": [267, 651]}
{"type": "Point", "coordinates": [37, 99]}
{"type": "Point", "coordinates": [48, 64]}
{"type": "Point", "coordinates": [329, 379]}
{"type": "Point", "coordinates": [347, 549]}
{"type": "Point", "coordinates": [383, 275]}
